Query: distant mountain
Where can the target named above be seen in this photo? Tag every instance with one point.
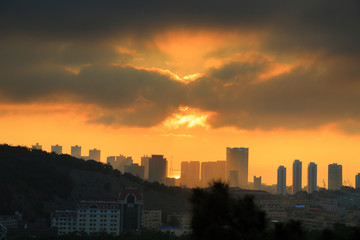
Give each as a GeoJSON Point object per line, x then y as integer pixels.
{"type": "Point", "coordinates": [36, 183]}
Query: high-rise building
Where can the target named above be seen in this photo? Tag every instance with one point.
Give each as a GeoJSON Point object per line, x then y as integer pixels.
{"type": "Point", "coordinates": [211, 171]}
{"type": "Point", "coordinates": [132, 209]}
{"type": "Point", "coordinates": [281, 180]}
{"type": "Point", "coordinates": [357, 181]}
{"type": "Point", "coordinates": [94, 154]}
{"type": "Point", "coordinates": [56, 149]}
{"type": "Point", "coordinates": [121, 161]}
{"type": "Point", "coordinates": [334, 176]}
{"type": "Point", "coordinates": [234, 178]}
{"type": "Point", "coordinates": [76, 151]}
{"type": "Point", "coordinates": [37, 146]}
{"type": "Point", "coordinates": [145, 163]}
{"type": "Point", "coordinates": [237, 159]}
{"type": "Point", "coordinates": [190, 173]}
{"type": "Point", "coordinates": [157, 168]}
{"type": "Point", "coordinates": [257, 183]}
{"type": "Point", "coordinates": [111, 161]}
{"type": "Point", "coordinates": [297, 172]}
{"type": "Point", "coordinates": [312, 177]}
{"type": "Point", "coordinates": [135, 170]}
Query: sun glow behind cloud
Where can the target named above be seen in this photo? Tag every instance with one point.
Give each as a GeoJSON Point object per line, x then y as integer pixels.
{"type": "Point", "coordinates": [187, 117]}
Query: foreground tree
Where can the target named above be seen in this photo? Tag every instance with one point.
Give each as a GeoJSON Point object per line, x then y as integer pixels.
{"type": "Point", "coordinates": [217, 216]}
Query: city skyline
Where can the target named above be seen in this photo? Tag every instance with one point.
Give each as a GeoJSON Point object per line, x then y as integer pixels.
{"type": "Point", "coordinates": [311, 173]}
{"type": "Point", "coordinates": [185, 79]}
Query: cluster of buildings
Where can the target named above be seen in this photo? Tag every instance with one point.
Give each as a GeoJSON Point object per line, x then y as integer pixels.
{"type": "Point", "coordinates": [318, 211]}
{"type": "Point", "coordinates": [234, 170]}
{"type": "Point", "coordinates": [94, 154]}
{"type": "Point", "coordinates": [111, 216]}
{"type": "Point", "coordinates": [115, 216]}
{"type": "Point", "coordinates": [194, 173]}
{"type": "Point", "coordinates": [154, 168]}
{"type": "Point", "coordinates": [334, 178]}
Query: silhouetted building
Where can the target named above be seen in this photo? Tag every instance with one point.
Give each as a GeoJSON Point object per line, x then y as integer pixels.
{"type": "Point", "coordinates": [94, 154]}
{"type": "Point", "coordinates": [56, 149]}
{"type": "Point", "coordinates": [297, 173]}
{"type": "Point", "coordinates": [111, 161]}
{"type": "Point", "coordinates": [119, 162]}
{"type": "Point", "coordinates": [312, 177]}
{"type": "Point", "coordinates": [76, 151]}
{"type": "Point", "coordinates": [145, 163]}
{"type": "Point", "coordinates": [237, 159]}
{"type": "Point", "coordinates": [37, 146]}
{"type": "Point", "coordinates": [257, 183]}
{"type": "Point", "coordinates": [171, 182]}
{"type": "Point", "coordinates": [190, 172]}
{"type": "Point", "coordinates": [135, 170]}
{"type": "Point", "coordinates": [212, 171]}
{"type": "Point", "coordinates": [157, 168]}
{"type": "Point", "coordinates": [334, 176]}
{"type": "Point", "coordinates": [132, 208]}
{"type": "Point", "coordinates": [357, 181]}
{"type": "Point", "coordinates": [234, 178]}
{"type": "Point", "coordinates": [281, 180]}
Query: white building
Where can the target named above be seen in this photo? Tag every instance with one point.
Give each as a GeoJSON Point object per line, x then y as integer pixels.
{"type": "Point", "coordinates": [56, 149]}
{"type": "Point", "coordinates": [64, 221]}
{"type": "Point", "coordinates": [281, 180]}
{"type": "Point", "coordinates": [312, 177]}
{"type": "Point", "coordinates": [99, 216]}
{"type": "Point", "coordinates": [110, 216]}
{"type": "Point", "coordinates": [297, 173]}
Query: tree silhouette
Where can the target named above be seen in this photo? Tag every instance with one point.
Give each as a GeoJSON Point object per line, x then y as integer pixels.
{"type": "Point", "coordinates": [218, 216]}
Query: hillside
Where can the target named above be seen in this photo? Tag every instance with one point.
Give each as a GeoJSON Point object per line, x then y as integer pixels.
{"type": "Point", "coordinates": [35, 183]}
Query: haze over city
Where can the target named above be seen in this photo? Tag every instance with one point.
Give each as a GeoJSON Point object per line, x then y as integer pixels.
{"type": "Point", "coordinates": [186, 80]}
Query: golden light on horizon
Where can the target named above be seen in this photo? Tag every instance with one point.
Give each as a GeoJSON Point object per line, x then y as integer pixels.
{"type": "Point", "coordinates": [187, 120]}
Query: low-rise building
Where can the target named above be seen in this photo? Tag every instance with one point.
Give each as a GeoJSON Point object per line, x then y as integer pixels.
{"type": "Point", "coordinates": [151, 219]}
{"type": "Point", "coordinates": [3, 232]}
{"type": "Point", "coordinates": [64, 221]}
{"type": "Point", "coordinates": [99, 216]}
{"type": "Point", "coordinates": [110, 216]}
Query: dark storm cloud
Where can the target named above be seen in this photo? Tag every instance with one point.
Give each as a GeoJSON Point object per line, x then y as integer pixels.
{"type": "Point", "coordinates": [293, 24]}
{"type": "Point", "coordinates": [305, 97]}
{"type": "Point", "coordinates": [43, 43]}
{"type": "Point", "coordinates": [128, 96]}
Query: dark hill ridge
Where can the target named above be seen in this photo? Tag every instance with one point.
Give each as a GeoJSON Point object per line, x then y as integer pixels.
{"type": "Point", "coordinates": [36, 183]}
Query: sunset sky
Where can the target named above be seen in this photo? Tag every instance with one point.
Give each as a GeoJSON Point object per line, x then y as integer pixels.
{"type": "Point", "coordinates": [186, 79]}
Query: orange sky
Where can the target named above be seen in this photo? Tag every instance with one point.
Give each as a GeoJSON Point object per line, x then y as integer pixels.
{"type": "Point", "coordinates": [185, 83]}
{"type": "Point", "coordinates": [268, 149]}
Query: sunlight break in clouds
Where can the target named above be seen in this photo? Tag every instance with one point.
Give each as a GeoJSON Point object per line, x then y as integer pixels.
{"type": "Point", "coordinates": [187, 118]}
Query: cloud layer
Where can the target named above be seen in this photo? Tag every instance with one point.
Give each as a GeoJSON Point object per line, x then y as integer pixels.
{"type": "Point", "coordinates": [301, 73]}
